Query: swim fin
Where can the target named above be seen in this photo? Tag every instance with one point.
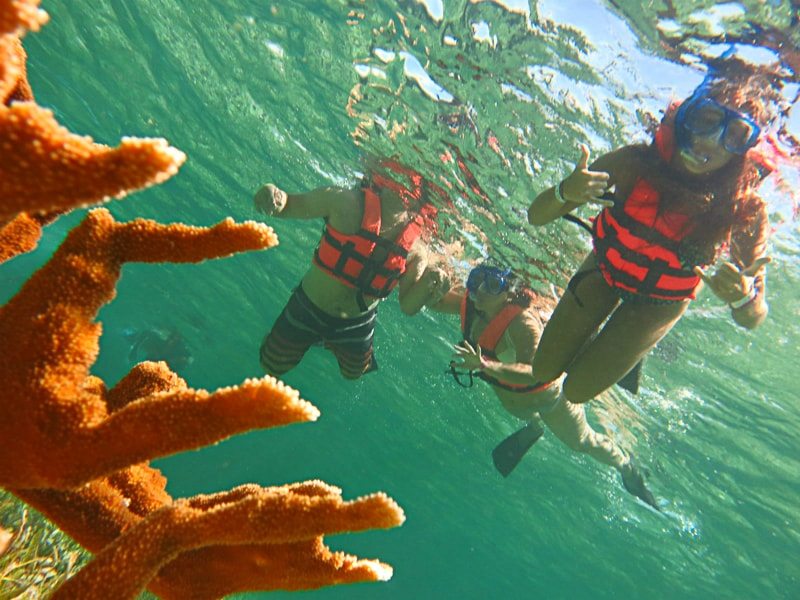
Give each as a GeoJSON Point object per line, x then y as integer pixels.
{"type": "Point", "coordinates": [510, 451]}
{"type": "Point", "coordinates": [632, 379]}
{"type": "Point", "coordinates": [633, 480]}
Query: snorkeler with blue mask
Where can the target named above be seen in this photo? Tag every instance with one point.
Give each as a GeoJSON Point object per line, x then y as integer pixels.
{"type": "Point", "coordinates": [501, 323]}
{"type": "Point", "coordinates": [703, 125]}
{"type": "Point", "coordinates": [677, 206]}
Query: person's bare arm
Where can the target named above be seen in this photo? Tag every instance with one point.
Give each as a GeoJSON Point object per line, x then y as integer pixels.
{"type": "Point", "coordinates": [585, 185]}
{"type": "Point", "coordinates": [422, 284]}
{"type": "Point", "coordinates": [524, 334]}
{"type": "Point", "coordinates": [450, 302]}
{"type": "Point", "coordinates": [742, 283]}
{"type": "Point", "coordinates": [411, 292]}
{"type": "Point", "coordinates": [320, 203]}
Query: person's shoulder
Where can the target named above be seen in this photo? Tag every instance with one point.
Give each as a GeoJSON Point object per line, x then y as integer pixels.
{"type": "Point", "coordinates": [529, 319]}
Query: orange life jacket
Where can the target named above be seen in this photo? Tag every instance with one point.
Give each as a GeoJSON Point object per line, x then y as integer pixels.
{"type": "Point", "coordinates": [637, 246]}
{"type": "Point", "coordinates": [364, 260]}
{"type": "Point", "coordinates": [490, 337]}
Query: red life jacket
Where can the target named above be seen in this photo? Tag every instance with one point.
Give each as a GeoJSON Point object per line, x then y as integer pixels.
{"type": "Point", "coordinates": [364, 260]}
{"type": "Point", "coordinates": [637, 246]}
{"type": "Point", "coordinates": [490, 337]}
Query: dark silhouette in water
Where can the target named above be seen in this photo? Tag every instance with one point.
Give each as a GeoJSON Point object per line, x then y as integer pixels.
{"type": "Point", "coordinates": [158, 344]}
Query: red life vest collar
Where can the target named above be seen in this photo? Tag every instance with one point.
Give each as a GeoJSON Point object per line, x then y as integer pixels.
{"type": "Point", "coordinates": [489, 339]}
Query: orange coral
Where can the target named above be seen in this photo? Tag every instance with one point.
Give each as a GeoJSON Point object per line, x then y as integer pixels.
{"type": "Point", "coordinates": [6, 537]}
{"type": "Point", "coordinates": [13, 77]}
{"type": "Point", "coordinates": [18, 14]}
{"type": "Point", "coordinates": [44, 167]}
{"type": "Point", "coordinates": [248, 539]}
{"type": "Point", "coordinates": [58, 435]}
{"type": "Point", "coordinates": [76, 450]}
{"type": "Point", "coordinates": [22, 233]}
{"type": "Point", "coordinates": [285, 516]}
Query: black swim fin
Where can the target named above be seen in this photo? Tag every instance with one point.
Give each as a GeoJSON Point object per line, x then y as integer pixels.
{"type": "Point", "coordinates": [510, 451]}
{"type": "Point", "coordinates": [633, 379]}
{"type": "Point", "coordinates": [633, 480]}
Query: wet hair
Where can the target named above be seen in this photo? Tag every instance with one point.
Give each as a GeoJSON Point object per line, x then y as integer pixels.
{"type": "Point", "coordinates": [717, 201]}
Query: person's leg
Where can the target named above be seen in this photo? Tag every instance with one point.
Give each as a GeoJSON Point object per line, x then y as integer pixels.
{"type": "Point", "coordinates": [290, 337]}
{"type": "Point", "coordinates": [351, 344]}
{"type": "Point", "coordinates": [583, 307]}
{"type": "Point", "coordinates": [628, 335]}
{"type": "Point", "coordinates": [568, 422]}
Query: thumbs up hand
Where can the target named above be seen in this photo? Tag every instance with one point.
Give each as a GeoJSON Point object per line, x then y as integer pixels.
{"type": "Point", "coordinates": [583, 186]}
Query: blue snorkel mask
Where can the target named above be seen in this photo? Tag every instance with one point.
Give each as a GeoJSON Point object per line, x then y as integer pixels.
{"type": "Point", "coordinates": [490, 280]}
{"type": "Point", "coordinates": [702, 116]}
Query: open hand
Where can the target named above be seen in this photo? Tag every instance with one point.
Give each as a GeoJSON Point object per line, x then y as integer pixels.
{"type": "Point", "coordinates": [583, 186]}
{"type": "Point", "coordinates": [730, 283]}
{"type": "Point", "coordinates": [471, 358]}
{"type": "Point", "coordinates": [270, 200]}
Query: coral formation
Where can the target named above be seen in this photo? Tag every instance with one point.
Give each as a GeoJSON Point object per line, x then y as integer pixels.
{"type": "Point", "coordinates": [78, 451]}
{"type": "Point", "coordinates": [45, 168]}
{"type": "Point", "coordinates": [22, 233]}
{"type": "Point", "coordinates": [58, 434]}
{"type": "Point", "coordinates": [251, 538]}
{"type": "Point", "coordinates": [19, 14]}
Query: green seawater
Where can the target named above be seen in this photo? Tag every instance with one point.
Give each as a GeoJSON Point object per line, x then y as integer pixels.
{"type": "Point", "coordinates": [257, 91]}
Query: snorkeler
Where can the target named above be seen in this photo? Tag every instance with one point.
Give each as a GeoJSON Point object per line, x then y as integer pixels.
{"type": "Point", "coordinates": [156, 344]}
{"type": "Point", "coordinates": [676, 204]}
{"type": "Point", "coordinates": [373, 240]}
{"type": "Point", "coordinates": [501, 325]}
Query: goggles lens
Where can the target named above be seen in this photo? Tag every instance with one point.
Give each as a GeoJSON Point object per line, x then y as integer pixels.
{"type": "Point", "coordinates": [704, 117]}
{"type": "Point", "coordinates": [489, 280]}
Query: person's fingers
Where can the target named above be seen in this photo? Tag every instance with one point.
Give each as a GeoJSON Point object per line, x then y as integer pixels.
{"type": "Point", "coordinates": [597, 187]}
{"type": "Point", "coordinates": [583, 161]}
{"type": "Point", "coordinates": [602, 202]}
{"type": "Point", "coordinates": [702, 275]}
{"type": "Point", "coordinates": [598, 177]}
{"type": "Point", "coordinates": [752, 269]}
{"type": "Point", "coordinates": [728, 267]}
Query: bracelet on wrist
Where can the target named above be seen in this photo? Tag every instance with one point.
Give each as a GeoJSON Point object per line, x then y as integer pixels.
{"type": "Point", "coordinates": [485, 364]}
{"type": "Point", "coordinates": [557, 193]}
{"type": "Point", "coordinates": [744, 300]}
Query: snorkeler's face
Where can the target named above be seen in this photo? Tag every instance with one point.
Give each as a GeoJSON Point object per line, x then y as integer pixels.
{"type": "Point", "coordinates": [710, 134]}
{"type": "Point", "coordinates": [486, 300]}
{"type": "Point", "coordinates": [703, 155]}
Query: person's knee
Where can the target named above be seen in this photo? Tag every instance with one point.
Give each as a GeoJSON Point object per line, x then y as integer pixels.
{"type": "Point", "coordinates": [273, 369]}
{"type": "Point", "coordinates": [269, 363]}
{"type": "Point", "coordinates": [544, 370]}
{"type": "Point", "coordinates": [576, 391]}
{"type": "Point", "coordinates": [351, 375]}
